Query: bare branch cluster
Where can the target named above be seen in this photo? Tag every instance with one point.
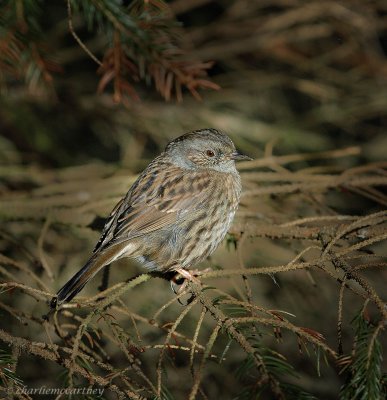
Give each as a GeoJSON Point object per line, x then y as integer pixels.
{"type": "Point", "coordinates": [113, 339]}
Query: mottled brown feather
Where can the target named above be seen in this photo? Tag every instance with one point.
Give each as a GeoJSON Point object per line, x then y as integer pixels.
{"type": "Point", "coordinates": [142, 212]}
{"type": "Point", "coordinates": [175, 214]}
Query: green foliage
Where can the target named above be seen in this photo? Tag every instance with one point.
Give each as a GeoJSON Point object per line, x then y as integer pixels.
{"type": "Point", "coordinates": [140, 41]}
{"type": "Point", "coordinates": [25, 55]}
{"type": "Point", "coordinates": [294, 392]}
{"type": "Point", "coordinates": [365, 380]}
{"type": "Point", "coordinates": [8, 377]}
{"type": "Point", "coordinates": [276, 365]}
{"type": "Point", "coordinates": [165, 395]}
{"type": "Point", "coordinates": [105, 15]}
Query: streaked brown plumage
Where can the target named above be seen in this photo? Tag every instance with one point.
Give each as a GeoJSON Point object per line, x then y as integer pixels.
{"type": "Point", "coordinates": [175, 214]}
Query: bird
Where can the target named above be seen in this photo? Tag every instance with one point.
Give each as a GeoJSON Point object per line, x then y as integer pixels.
{"type": "Point", "coordinates": [175, 214]}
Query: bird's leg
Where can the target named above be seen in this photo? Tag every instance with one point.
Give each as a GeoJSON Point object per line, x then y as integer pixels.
{"type": "Point", "coordinates": [189, 275]}
{"type": "Point", "coordinates": [179, 283]}
{"type": "Point", "coordinates": [183, 276]}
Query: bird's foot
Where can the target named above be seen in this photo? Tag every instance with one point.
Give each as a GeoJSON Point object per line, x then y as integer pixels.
{"type": "Point", "coordinates": [182, 277]}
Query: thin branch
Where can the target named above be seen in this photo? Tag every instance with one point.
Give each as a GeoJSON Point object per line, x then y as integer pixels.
{"type": "Point", "coordinates": [76, 37]}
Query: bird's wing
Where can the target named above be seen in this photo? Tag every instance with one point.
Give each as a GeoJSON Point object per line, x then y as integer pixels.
{"type": "Point", "coordinates": [156, 199]}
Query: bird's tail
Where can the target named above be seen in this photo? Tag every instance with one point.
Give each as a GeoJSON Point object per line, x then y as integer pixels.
{"type": "Point", "coordinates": [87, 272]}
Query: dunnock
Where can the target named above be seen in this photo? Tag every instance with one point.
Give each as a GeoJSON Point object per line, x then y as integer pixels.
{"type": "Point", "coordinates": [175, 214]}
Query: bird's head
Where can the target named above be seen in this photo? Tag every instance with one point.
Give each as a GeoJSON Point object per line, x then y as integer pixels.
{"type": "Point", "coordinates": [205, 148]}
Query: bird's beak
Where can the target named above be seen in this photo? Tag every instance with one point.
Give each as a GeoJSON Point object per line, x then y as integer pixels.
{"type": "Point", "coordinates": [239, 156]}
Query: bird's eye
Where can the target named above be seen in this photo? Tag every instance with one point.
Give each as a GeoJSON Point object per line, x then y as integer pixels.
{"type": "Point", "coordinates": [210, 153]}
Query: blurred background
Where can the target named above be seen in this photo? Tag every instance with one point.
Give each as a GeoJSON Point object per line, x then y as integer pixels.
{"type": "Point", "coordinates": [307, 75]}
{"type": "Point", "coordinates": [92, 90]}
